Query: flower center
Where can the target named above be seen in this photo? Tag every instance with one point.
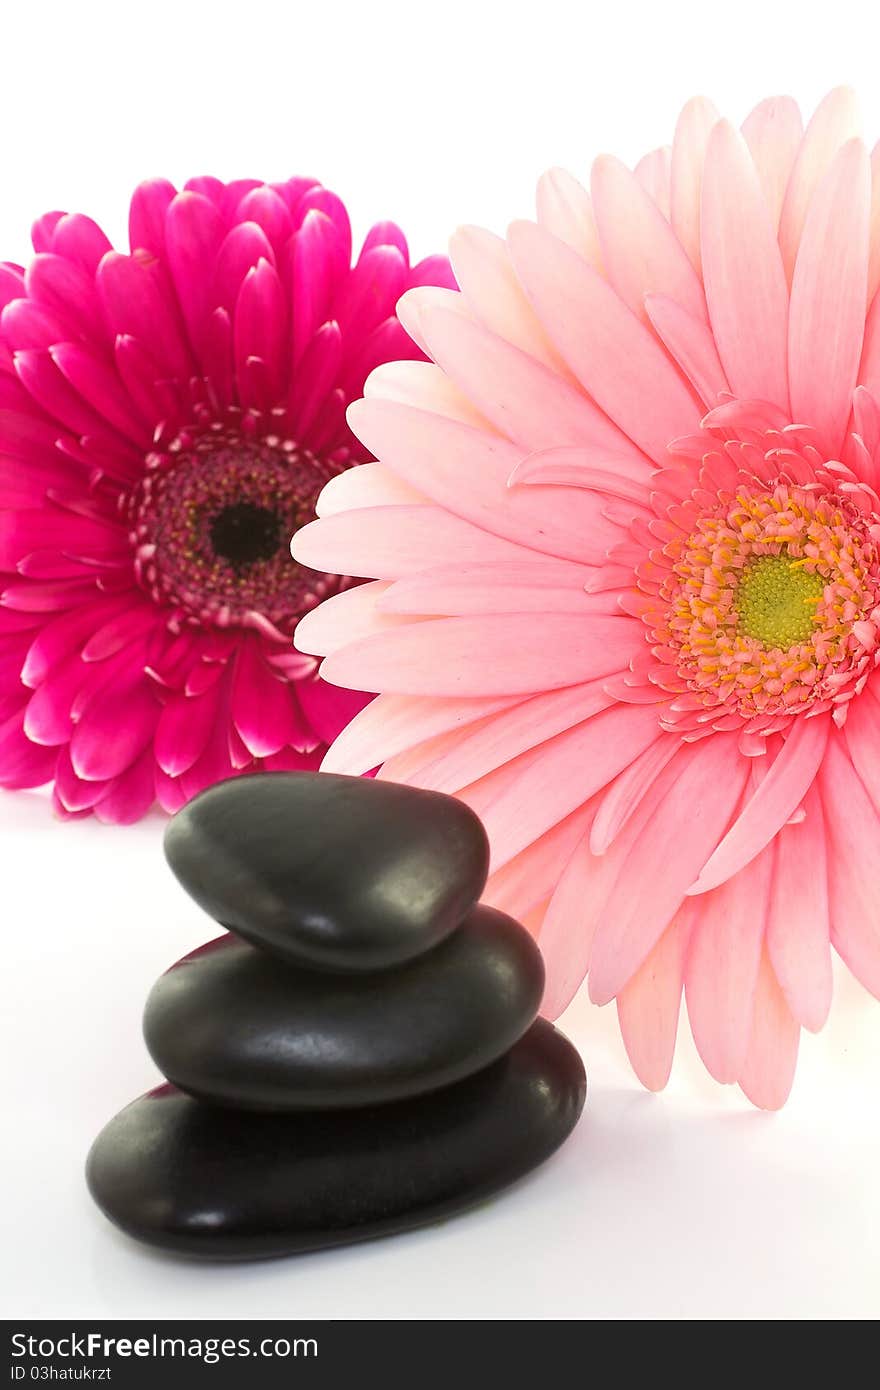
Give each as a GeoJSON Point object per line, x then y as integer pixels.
{"type": "Point", "coordinates": [245, 533]}
{"type": "Point", "coordinates": [776, 600]}
{"type": "Point", "coordinates": [211, 524]}
{"type": "Point", "coordinates": [764, 602]}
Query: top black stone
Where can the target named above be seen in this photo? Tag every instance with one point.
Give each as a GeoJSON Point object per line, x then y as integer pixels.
{"type": "Point", "coordinates": [337, 873]}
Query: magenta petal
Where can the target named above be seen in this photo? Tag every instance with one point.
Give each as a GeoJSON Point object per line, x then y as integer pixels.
{"type": "Point", "coordinates": [321, 200]}
{"type": "Point", "coordinates": [371, 291]}
{"type": "Point", "coordinates": [134, 620]}
{"type": "Point", "coordinates": [80, 240]}
{"type": "Point", "coordinates": [244, 247]}
{"type": "Point", "coordinates": [43, 229]}
{"type": "Point", "coordinates": [262, 707]}
{"type": "Point", "coordinates": [146, 216]}
{"type": "Point", "coordinates": [386, 234]}
{"type": "Point", "coordinates": [315, 377]}
{"type": "Point", "coordinates": [130, 795]}
{"type": "Point", "coordinates": [184, 728]}
{"type": "Point", "coordinates": [23, 763]}
{"type": "Point", "coordinates": [291, 760]}
{"type": "Point", "coordinates": [318, 262]}
{"type": "Point", "coordinates": [137, 301]}
{"type": "Point", "coordinates": [25, 324]}
{"type": "Point", "coordinates": [260, 329]}
{"type": "Point", "coordinates": [101, 389]}
{"type": "Point", "coordinates": [169, 792]}
{"type": "Point", "coordinates": [24, 531]}
{"type": "Point", "coordinates": [115, 729]}
{"type": "Point", "coordinates": [48, 718]}
{"type": "Point", "coordinates": [293, 191]}
{"type": "Point", "coordinates": [63, 287]}
{"type": "Point", "coordinates": [268, 210]}
{"type": "Point", "coordinates": [329, 708]}
{"type": "Point", "coordinates": [194, 233]}
{"type": "Point", "coordinates": [74, 793]}
{"type": "Point", "coordinates": [208, 186]}
{"type": "Point", "coordinates": [433, 270]}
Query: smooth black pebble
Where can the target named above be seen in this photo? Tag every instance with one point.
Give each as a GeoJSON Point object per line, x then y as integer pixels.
{"type": "Point", "coordinates": [232, 1026]}
{"type": "Point", "coordinates": [205, 1181]}
{"type": "Point", "coordinates": [335, 873]}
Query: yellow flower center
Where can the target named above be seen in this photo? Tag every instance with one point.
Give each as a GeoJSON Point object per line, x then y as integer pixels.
{"type": "Point", "coordinates": [776, 601]}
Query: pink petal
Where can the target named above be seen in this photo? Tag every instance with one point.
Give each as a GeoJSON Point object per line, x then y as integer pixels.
{"type": "Point", "coordinates": [692, 133]}
{"type": "Point", "coordinates": [369, 485]}
{"type": "Point", "coordinates": [615, 357]}
{"type": "Point", "coordinates": [388, 542]}
{"type": "Point", "coordinates": [853, 831]}
{"type": "Point", "coordinates": [797, 924]}
{"type": "Point", "coordinates": [530, 877]}
{"type": "Point", "coordinates": [874, 260]}
{"type": "Point", "coordinates": [743, 272]}
{"type": "Point", "coordinates": [544, 586]}
{"type": "Point", "coordinates": [691, 343]}
{"type": "Point", "coordinates": [722, 968]}
{"type": "Point", "coordinates": [567, 931]}
{"type": "Point", "coordinates": [834, 121]}
{"type": "Point", "coordinates": [640, 250]}
{"type": "Point", "coordinates": [776, 799]}
{"type": "Point", "coordinates": [696, 794]}
{"type": "Point", "coordinates": [504, 655]}
{"type": "Point", "coordinates": [862, 734]}
{"type": "Point", "coordinates": [344, 618]}
{"type": "Point", "coordinates": [476, 752]}
{"type": "Point", "coordinates": [564, 210]}
{"type": "Point", "coordinates": [654, 173]}
{"type": "Point", "coordinates": [424, 385]}
{"type": "Point", "coordinates": [467, 470]}
{"type": "Point", "coordinates": [828, 298]}
{"type": "Point", "coordinates": [649, 1005]}
{"type": "Point", "coordinates": [773, 133]}
{"type": "Point", "coordinates": [491, 290]}
{"type": "Point", "coordinates": [562, 774]}
{"type": "Point", "coordinates": [393, 723]}
{"type": "Point", "coordinates": [531, 404]}
{"type": "Point", "coordinates": [767, 1072]}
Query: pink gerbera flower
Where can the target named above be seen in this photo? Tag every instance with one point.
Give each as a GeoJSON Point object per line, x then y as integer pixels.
{"type": "Point", "coordinates": [625, 537]}
{"type": "Point", "coordinates": [167, 419]}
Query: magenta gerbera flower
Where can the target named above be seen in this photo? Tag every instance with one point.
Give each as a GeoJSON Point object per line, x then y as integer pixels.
{"type": "Point", "coordinates": [167, 419]}
{"type": "Point", "coordinates": [625, 538]}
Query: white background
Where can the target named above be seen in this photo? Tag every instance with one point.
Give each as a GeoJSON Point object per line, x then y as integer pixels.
{"type": "Point", "coordinates": [687, 1205]}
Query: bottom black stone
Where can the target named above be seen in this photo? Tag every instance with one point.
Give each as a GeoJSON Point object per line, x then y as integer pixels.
{"type": "Point", "coordinates": [223, 1184]}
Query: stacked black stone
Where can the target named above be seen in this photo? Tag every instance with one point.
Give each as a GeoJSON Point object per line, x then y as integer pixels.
{"type": "Point", "coordinates": [360, 1054]}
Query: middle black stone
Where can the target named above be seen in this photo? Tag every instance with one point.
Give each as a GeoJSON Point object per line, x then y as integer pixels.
{"type": "Point", "coordinates": [233, 1026]}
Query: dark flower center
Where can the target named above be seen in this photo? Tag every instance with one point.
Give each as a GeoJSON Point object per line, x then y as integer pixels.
{"type": "Point", "coordinates": [211, 524]}
{"type": "Point", "coordinates": [245, 533]}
